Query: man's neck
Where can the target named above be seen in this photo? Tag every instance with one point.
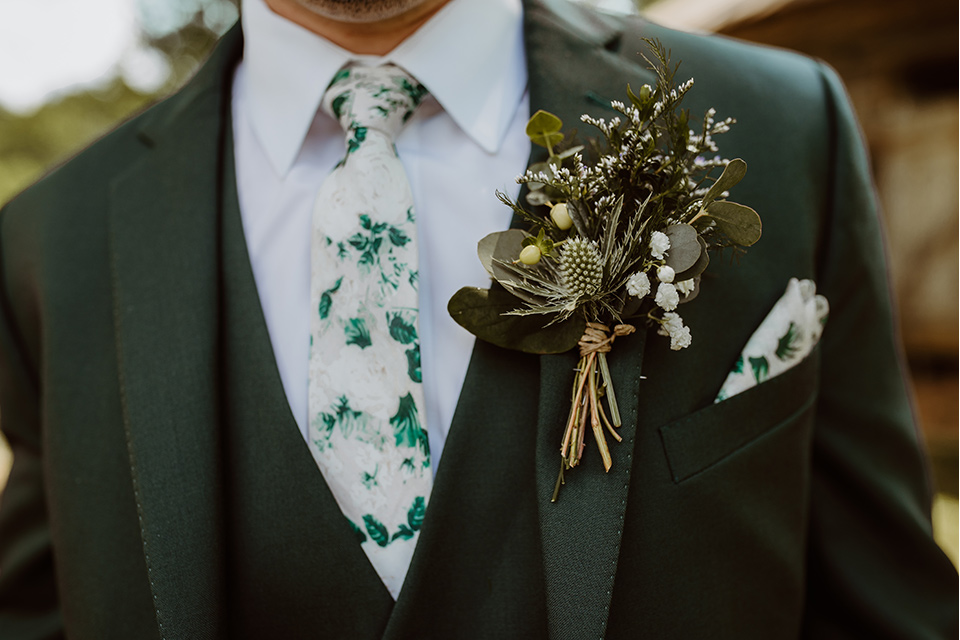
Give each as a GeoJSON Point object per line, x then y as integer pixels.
{"type": "Point", "coordinates": [376, 37]}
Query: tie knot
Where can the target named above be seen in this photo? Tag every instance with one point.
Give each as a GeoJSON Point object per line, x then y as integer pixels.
{"type": "Point", "coordinates": [381, 98]}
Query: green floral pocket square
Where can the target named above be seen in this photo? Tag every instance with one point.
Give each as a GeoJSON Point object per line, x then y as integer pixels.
{"type": "Point", "coordinates": [784, 338]}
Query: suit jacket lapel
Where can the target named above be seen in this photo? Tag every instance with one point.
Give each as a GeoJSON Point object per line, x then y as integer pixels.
{"type": "Point", "coordinates": [573, 69]}
{"type": "Point", "coordinates": [165, 255]}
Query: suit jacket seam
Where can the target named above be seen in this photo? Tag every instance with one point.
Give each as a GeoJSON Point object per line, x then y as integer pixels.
{"type": "Point", "coordinates": [124, 406]}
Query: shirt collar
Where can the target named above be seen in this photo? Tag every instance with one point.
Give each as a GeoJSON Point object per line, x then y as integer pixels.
{"type": "Point", "coordinates": [469, 55]}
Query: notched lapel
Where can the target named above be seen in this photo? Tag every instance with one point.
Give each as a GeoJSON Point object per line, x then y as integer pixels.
{"type": "Point", "coordinates": [164, 257]}
{"type": "Point", "coordinates": [573, 69]}
{"type": "Point", "coordinates": [574, 66]}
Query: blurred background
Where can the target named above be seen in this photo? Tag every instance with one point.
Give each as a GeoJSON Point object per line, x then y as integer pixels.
{"type": "Point", "coordinates": [70, 71]}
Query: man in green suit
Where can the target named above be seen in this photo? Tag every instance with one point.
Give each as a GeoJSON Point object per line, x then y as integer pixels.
{"type": "Point", "coordinates": [160, 488]}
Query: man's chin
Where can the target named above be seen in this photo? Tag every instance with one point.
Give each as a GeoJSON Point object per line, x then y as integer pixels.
{"type": "Point", "coordinates": [361, 11]}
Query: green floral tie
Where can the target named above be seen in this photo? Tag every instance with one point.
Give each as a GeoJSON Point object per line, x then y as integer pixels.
{"type": "Point", "coordinates": [366, 404]}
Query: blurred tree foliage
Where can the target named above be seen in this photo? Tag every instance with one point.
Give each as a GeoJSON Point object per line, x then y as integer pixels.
{"type": "Point", "coordinates": [31, 144]}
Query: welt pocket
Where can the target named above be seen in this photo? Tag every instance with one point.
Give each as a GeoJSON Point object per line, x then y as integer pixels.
{"type": "Point", "coordinates": [707, 436]}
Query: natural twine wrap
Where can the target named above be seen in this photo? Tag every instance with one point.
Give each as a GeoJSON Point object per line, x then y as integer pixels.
{"type": "Point", "coordinates": [597, 337]}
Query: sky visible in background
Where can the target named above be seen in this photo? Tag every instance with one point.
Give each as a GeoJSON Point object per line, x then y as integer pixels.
{"type": "Point", "coordinates": [52, 47]}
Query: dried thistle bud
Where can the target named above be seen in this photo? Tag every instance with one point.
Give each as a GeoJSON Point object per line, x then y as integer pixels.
{"type": "Point", "coordinates": [530, 255]}
{"type": "Point", "coordinates": [581, 267]}
{"type": "Point", "coordinates": [561, 217]}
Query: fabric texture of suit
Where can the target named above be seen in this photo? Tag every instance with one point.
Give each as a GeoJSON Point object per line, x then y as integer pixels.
{"type": "Point", "coordinates": [134, 357]}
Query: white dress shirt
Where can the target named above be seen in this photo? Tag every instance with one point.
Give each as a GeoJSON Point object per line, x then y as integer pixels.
{"type": "Point", "coordinates": [465, 142]}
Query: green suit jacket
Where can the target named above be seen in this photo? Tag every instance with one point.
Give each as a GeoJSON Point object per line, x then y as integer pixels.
{"type": "Point", "coordinates": [798, 508]}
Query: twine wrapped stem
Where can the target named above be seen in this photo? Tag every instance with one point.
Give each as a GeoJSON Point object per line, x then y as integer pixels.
{"type": "Point", "coordinates": [595, 344]}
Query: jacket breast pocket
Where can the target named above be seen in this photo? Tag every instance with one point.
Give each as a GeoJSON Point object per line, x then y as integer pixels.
{"type": "Point", "coordinates": [704, 438]}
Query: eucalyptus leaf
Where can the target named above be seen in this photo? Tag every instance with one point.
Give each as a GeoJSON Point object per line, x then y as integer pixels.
{"type": "Point", "coordinates": [481, 312]}
{"type": "Point", "coordinates": [699, 267]}
{"type": "Point", "coordinates": [543, 129]}
{"type": "Point", "coordinates": [485, 249]}
{"type": "Point", "coordinates": [537, 198]}
{"type": "Point", "coordinates": [684, 249]}
{"type": "Point", "coordinates": [732, 174]}
{"type": "Point", "coordinates": [503, 248]}
{"type": "Point", "coordinates": [548, 140]}
{"type": "Point", "coordinates": [498, 246]}
{"type": "Point", "coordinates": [553, 193]}
{"type": "Point", "coordinates": [739, 223]}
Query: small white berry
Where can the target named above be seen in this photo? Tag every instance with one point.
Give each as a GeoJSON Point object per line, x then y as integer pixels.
{"type": "Point", "coordinates": [561, 217]}
{"type": "Point", "coordinates": [530, 255]}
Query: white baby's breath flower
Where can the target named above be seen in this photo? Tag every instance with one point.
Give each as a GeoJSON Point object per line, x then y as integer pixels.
{"type": "Point", "coordinates": [659, 244]}
{"type": "Point", "coordinates": [672, 326]}
{"type": "Point", "coordinates": [667, 296]}
{"type": "Point", "coordinates": [666, 273]}
{"type": "Point", "coordinates": [638, 285]}
{"type": "Point", "coordinates": [686, 286]}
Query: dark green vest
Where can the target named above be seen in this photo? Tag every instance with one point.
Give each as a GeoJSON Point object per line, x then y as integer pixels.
{"type": "Point", "coordinates": [295, 569]}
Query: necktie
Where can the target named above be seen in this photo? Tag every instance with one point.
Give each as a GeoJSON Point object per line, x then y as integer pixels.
{"type": "Point", "coordinates": [366, 430]}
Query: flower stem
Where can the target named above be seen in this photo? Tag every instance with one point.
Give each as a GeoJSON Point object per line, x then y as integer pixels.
{"type": "Point", "coordinates": [611, 396]}
{"type": "Point", "coordinates": [556, 487]}
{"type": "Point", "coordinates": [575, 411]}
{"type": "Point", "coordinates": [595, 418]}
{"type": "Point", "coordinates": [581, 432]}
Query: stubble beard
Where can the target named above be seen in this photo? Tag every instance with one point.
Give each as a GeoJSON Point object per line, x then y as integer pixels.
{"type": "Point", "coordinates": [360, 10]}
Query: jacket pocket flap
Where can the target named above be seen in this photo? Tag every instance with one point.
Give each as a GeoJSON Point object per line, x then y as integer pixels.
{"type": "Point", "coordinates": [699, 440]}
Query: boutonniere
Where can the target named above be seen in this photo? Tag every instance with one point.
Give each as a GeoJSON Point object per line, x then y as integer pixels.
{"type": "Point", "coordinates": [609, 244]}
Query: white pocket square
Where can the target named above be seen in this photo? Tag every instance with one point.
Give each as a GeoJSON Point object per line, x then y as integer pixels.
{"type": "Point", "coordinates": [785, 337]}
